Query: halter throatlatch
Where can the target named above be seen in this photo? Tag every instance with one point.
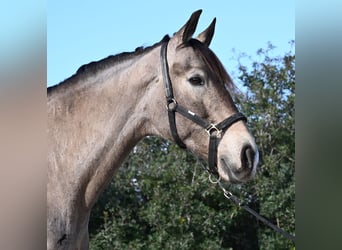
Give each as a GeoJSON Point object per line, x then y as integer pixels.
{"type": "Point", "coordinates": [214, 130]}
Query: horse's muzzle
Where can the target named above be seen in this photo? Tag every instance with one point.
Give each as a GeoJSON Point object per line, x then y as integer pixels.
{"type": "Point", "coordinates": [245, 169]}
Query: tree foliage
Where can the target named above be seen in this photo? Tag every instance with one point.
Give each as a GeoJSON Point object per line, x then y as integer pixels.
{"type": "Point", "coordinates": [161, 197]}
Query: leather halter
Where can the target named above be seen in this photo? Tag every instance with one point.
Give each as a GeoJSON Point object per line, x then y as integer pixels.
{"type": "Point", "coordinates": [214, 130]}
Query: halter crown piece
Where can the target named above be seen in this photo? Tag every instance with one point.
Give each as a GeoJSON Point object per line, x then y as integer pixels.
{"type": "Point", "coordinates": [214, 130]}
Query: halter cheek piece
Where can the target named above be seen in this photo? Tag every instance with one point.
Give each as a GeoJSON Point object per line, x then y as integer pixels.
{"type": "Point", "coordinates": [214, 130]}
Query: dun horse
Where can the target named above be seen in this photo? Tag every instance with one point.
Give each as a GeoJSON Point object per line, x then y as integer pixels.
{"type": "Point", "coordinates": [96, 116]}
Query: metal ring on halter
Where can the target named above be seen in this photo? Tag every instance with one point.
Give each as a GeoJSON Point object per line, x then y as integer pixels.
{"type": "Point", "coordinates": [169, 104]}
{"type": "Point", "coordinates": [213, 129]}
{"type": "Point", "coordinates": [227, 194]}
{"type": "Point", "coordinates": [215, 181]}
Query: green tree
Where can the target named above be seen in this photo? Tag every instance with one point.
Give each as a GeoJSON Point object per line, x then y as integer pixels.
{"type": "Point", "coordinates": [269, 105]}
{"type": "Point", "coordinates": [161, 196]}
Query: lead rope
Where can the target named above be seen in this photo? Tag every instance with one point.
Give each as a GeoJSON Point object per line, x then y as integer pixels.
{"type": "Point", "coordinates": [239, 203]}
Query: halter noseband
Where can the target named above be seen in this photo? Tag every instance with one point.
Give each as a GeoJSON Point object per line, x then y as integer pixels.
{"type": "Point", "coordinates": [214, 130]}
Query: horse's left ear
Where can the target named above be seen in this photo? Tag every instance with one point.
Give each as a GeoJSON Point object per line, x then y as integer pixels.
{"type": "Point", "coordinates": [206, 36]}
{"type": "Point", "coordinates": [186, 32]}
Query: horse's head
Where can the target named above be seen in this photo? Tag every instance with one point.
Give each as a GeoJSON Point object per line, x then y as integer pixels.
{"type": "Point", "coordinates": [201, 85]}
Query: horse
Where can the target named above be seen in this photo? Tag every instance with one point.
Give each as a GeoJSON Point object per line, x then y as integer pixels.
{"type": "Point", "coordinates": [176, 89]}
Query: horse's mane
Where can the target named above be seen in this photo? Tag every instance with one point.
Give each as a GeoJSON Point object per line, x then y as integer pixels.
{"type": "Point", "coordinates": [94, 67]}
{"type": "Point", "coordinates": [210, 59]}
{"type": "Point", "coordinates": [97, 66]}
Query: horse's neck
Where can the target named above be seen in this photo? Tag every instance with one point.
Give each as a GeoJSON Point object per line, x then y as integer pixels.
{"type": "Point", "coordinates": [95, 126]}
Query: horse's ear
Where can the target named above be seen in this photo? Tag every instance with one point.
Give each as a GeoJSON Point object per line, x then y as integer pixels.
{"type": "Point", "coordinates": [186, 32]}
{"type": "Point", "coordinates": [206, 36]}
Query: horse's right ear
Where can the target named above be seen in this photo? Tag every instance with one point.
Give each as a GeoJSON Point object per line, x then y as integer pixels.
{"type": "Point", "coordinates": [186, 32]}
{"type": "Point", "coordinates": [206, 36]}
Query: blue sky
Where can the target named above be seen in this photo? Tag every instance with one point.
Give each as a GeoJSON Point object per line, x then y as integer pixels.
{"type": "Point", "coordinates": [82, 31]}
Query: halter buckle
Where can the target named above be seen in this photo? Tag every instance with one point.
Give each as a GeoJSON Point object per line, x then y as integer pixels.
{"type": "Point", "coordinates": [213, 130]}
{"type": "Point", "coordinates": [171, 104]}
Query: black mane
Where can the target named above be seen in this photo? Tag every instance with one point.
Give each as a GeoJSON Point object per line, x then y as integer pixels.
{"type": "Point", "coordinates": [97, 66]}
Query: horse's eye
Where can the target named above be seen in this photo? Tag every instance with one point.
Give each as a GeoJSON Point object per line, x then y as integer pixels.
{"type": "Point", "coordinates": [196, 80]}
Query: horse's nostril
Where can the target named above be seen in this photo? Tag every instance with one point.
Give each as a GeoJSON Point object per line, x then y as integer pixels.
{"type": "Point", "coordinates": [247, 157]}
